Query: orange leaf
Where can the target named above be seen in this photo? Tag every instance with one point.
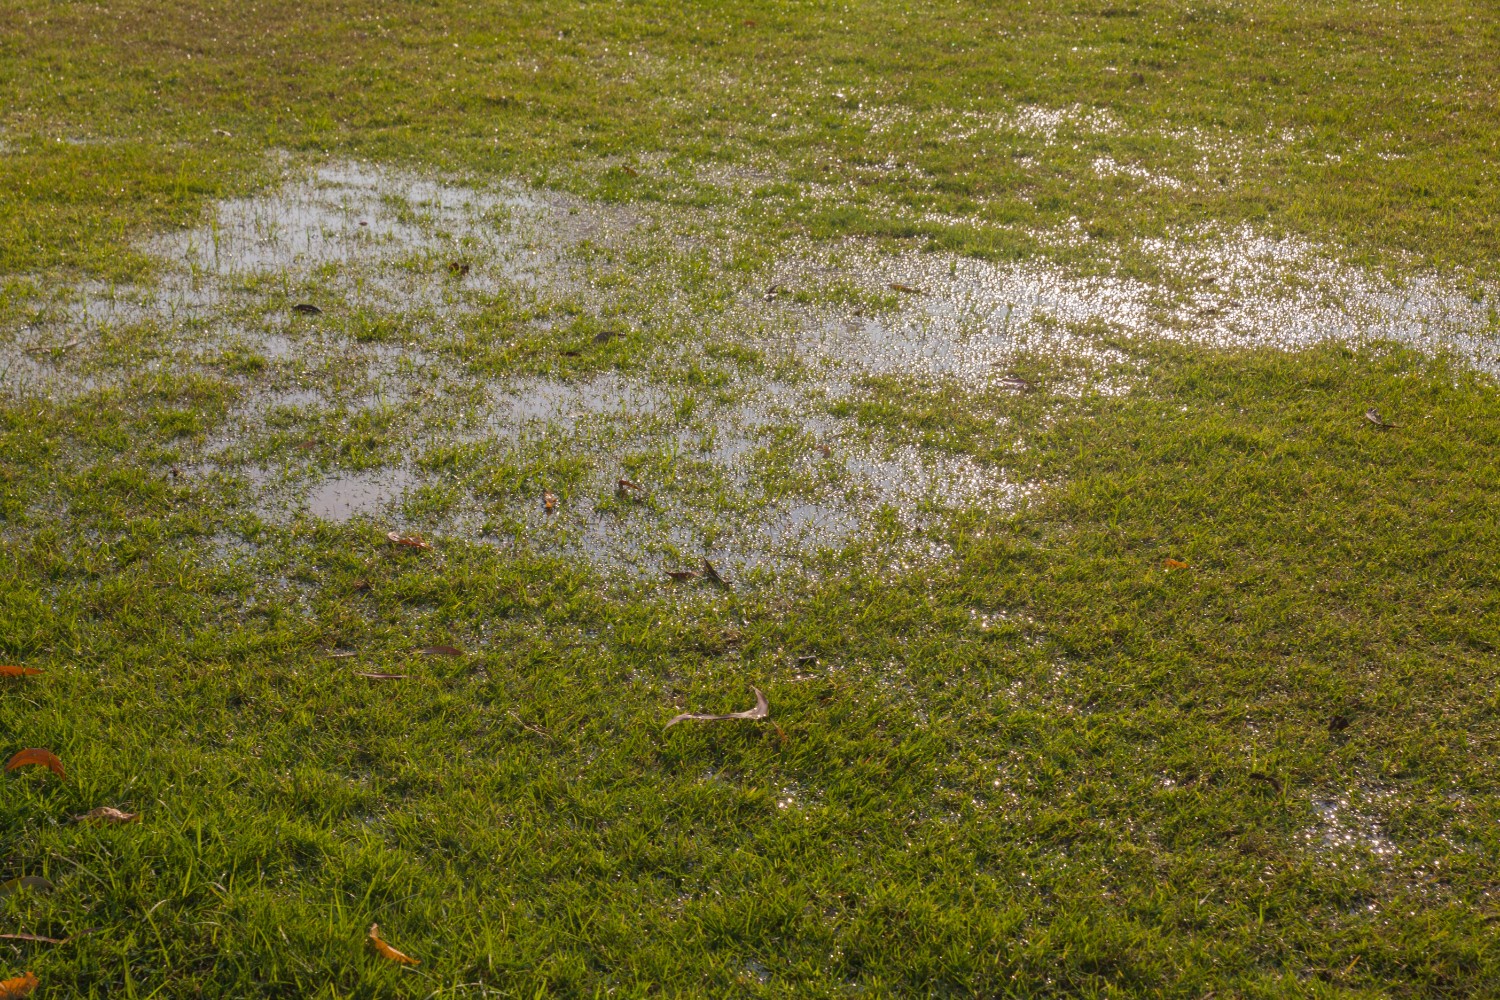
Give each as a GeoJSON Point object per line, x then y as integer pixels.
{"type": "Point", "coordinates": [409, 541]}
{"type": "Point", "coordinates": [385, 949]}
{"type": "Point", "coordinates": [36, 755]}
{"type": "Point", "coordinates": [6, 670]}
{"type": "Point", "coordinates": [549, 501]}
{"type": "Point", "coordinates": [107, 814]}
{"type": "Point", "coordinates": [1175, 564]}
{"type": "Point", "coordinates": [21, 986]}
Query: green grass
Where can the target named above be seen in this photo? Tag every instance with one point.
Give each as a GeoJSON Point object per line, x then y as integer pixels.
{"type": "Point", "coordinates": [1037, 762]}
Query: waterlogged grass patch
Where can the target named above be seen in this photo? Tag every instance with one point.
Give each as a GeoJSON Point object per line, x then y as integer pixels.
{"type": "Point", "coordinates": [1074, 428]}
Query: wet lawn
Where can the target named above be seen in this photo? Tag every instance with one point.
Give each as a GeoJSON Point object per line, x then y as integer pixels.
{"type": "Point", "coordinates": [1080, 424]}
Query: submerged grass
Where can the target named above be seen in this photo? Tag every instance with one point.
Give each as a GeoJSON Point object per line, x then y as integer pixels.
{"type": "Point", "coordinates": [1190, 690]}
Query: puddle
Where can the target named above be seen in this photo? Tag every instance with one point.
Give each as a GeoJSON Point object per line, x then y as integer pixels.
{"type": "Point", "coordinates": [358, 494]}
{"type": "Point", "coordinates": [723, 395]}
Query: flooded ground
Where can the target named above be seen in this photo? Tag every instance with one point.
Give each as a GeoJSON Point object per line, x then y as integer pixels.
{"type": "Point", "coordinates": [516, 366]}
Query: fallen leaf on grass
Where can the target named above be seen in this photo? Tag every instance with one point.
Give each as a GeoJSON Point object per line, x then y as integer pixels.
{"type": "Point", "coordinates": [458, 268]}
{"type": "Point", "coordinates": [307, 446]}
{"type": "Point", "coordinates": [107, 814]}
{"type": "Point", "coordinates": [760, 711]}
{"type": "Point", "coordinates": [605, 336]}
{"type": "Point", "coordinates": [441, 651]}
{"type": "Point", "coordinates": [1016, 383]}
{"type": "Point", "coordinates": [381, 677]}
{"type": "Point", "coordinates": [1174, 564]}
{"type": "Point", "coordinates": [683, 574]}
{"type": "Point", "coordinates": [36, 755]}
{"type": "Point", "coordinates": [897, 286]}
{"type": "Point", "coordinates": [20, 986]}
{"type": "Point", "coordinates": [713, 574]}
{"type": "Point", "coordinates": [630, 171]}
{"type": "Point", "coordinates": [824, 450]}
{"type": "Point", "coordinates": [410, 541]}
{"type": "Point", "coordinates": [8, 670]}
{"type": "Point", "coordinates": [549, 500]}
{"type": "Point", "coordinates": [1373, 416]}
{"type": "Point", "coordinates": [306, 309]}
{"type": "Point", "coordinates": [387, 951]}
{"type": "Point", "coordinates": [24, 882]}
{"type": "Point", "coordinates": [625, 488]}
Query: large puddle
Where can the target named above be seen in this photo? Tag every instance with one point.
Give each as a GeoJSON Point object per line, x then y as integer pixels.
{"type": "Point", "coordinates": [515, 366]}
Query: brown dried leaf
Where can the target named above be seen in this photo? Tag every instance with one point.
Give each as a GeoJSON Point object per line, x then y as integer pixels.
{"type": "Point", "coordinates": [897, 286]}
{"type": "Point", "coordinates": [410, 541]}
{"type": "Point", "coordinates": [1373, 416]}
{"type": "Point", "coordinates": [107, 814]}
{"type": "Point", "coordinates": [36, 755]}
{"type": "Point", "coordinates": [683, 574]}
{"type": "Point", "coordinates": [549, 500]}
{"type": "Point", "coordinates": [441, 651]}
{"type": "Point", "coordinates": [306, 309]}
{"type": "Point", "coordinates": [760, 711]}
{"type": "Point", "coordinates": [713, 574]}
{"type": "Point", "coordinates": [458, 268]}
{"type": "Point", "coordinates": [381, 677]}
{"type": "Point", "coordinates": [39, 939]}
{"type": "Point", "coordinates": [307, 445]}
{"type": "Point", "coordinates": [20, 986]}
{"type": "Point", "coordinates": [24, 882]}
{"type": "Point", "coordinates": [825, 451]}
{"type": "Point", "coordinates": [8, 670]}
{"type": "Point", "coordinates": [624, 487]}
{"type": "Point", "coordinates": [387, 951]}
{"type": "Point", "coordinates": [1174, 564]}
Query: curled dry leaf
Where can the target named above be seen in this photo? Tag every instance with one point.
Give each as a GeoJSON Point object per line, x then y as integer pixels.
{"type": "Point", "coordinates": [825, 451]}
{"type": "Point", "coordinates": [760, 711]}
{"type": "Point", "coordinates": [107, 814]}
{"type": "Point", "coordinates": [549, 500]}
{"type": "Point", "coordinates": [625, 488]}
{"type": "Point", "coordinates": [683, 574]}
{"type": "Point", "coordinates": [306, 309]}
{"type": "Point", "coordinates": [458, 268]}
{"type": "Point", "coordinates": [387, 951]}
{"type": "Point", "coordinates": [9, 670]}
{"type": "Point", "coordinates": [381, 677]}
{"type": "Point", "coordinates": [1016, 383]}
{"type": "Point", "coordinates": [441, 651]}
{"type": "Point", "coordinates": [713, 574]}
{"type": "Point", "coordinates": [410, 541]}
{"type": "Point", "coordinates": [1373, 416]}
{"type": "Point", "coordinates": [36, 755]}
{"type": "Point", "coordinates": [20, 986]}
{"type": "Point", "coordinates": [605, 336]}
{"type": "Point", "coordinates": [897, 286]}
{"type": "Point", "coordinates": [24, 882]}
{"type": "Point", "coordinates": [1174, 564]}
